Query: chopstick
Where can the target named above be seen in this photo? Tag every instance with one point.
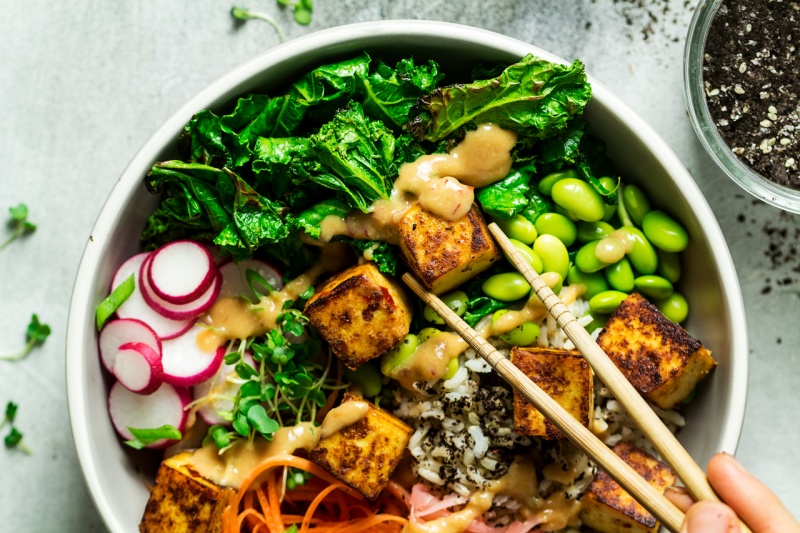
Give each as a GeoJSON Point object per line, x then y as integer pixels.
{"type": "Point", "coordinates": [647, 495]}
{"type": "Point", "coordinates": [675, 455]}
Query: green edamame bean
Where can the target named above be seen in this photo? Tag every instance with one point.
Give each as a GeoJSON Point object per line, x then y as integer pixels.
{"type": "Point", "coordinates": [592, 231]}
{"type": "Point", "coordinates": [578, 197]}
{"type": "Point", "coordinates": [642, 254]}
{"type": "Point", "coordinates": [569, 214]}
{"type": "Point", "coordinates": [610, 212]}
{"type": "Point", "coordinates": [399, 353]}
{"type": "Point", "coordinates": [610, 184]}
{"type": "Point", "coordinates": [426, 334]}
{"type": "Point", "coordinates": [553, 253]}
{"type": "Point", "coordinates": [664, 232]}
{"type": "Point", "coordinates": [606, 302]}
{"type": "Point", "coordinates": [367, 377]}
{"type": "Point", "coordinates": [558, 225]}
{"type": "Point", "coordinates": [636, 203]}
{"type": "Point", "coordinates": [554, 280]}
{"type": "Point", "coordinates": [506, 287]}
{"type": "Point", "coordinates": [533, 259]}
{"type": "Point", "coordinates": [518, 227]}
{"type": "Point", "coordinates": [595, 282]}
{"type": "Point", "coordinates": [522, 335]}
{"type": "Point", "coordinates": [669, 265]}
{"type": "Point", "coordinates": [653, 286]}
{"type": "Point", "coordinates": [675, 307]}
{"type": "Point", "coordinates": [452, 369]}
{"type": "Point", "coordinates": [497, 314]}
{"type": "Point", "coordinates": [599, 321]}
{"type": "Point", "coordinates": [620, 275]}
{"type": "Point", "coordinates": [456, 300]}
{"type": "Point", "coordinates": [586, 258]}
{"type": "Point", "coordinates": [547, 182]}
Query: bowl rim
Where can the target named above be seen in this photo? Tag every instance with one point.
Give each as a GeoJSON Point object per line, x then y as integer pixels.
{"type": "Point", "coordinates": [703, 124]}
{"type": "Point", "coordinates": [82, 306]}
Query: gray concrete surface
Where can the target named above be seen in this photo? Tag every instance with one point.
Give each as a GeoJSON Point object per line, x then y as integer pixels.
{"type": "Point", "coordinates": [84, 83]}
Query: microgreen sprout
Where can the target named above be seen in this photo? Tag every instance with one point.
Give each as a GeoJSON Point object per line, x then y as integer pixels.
{"type": "Point", "coordinates": [35, 335]}
{"type": "Point", "coordinates": [244, 14]}
{"type": "Point", "coordinates": [19, 224]}
{"type": "Point", "coordinates": [14, 437]}
{"type": "Point", "coordinates": [11, 413]}
{"type": "Point", "coordinates": [302, 10]}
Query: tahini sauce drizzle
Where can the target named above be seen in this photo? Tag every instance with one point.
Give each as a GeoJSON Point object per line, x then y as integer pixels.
{"type": "Point", "coordinates": [347, 414]}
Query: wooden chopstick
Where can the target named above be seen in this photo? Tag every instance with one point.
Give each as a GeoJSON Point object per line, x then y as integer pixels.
{"type": "Point", "coordinates": [647, 495]}
{"type": "Point", "coordinates": [645, 418]}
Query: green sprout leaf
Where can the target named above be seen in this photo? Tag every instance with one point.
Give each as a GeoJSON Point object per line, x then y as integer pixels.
{"type": "Point", "coordinates": [259, 419]}
{"type": "Point", "coordinates": [19, 224]}
{"type": "Point", "coordinates": [146, 436]}
{"type": "Point", "coordinates": [110, 305]}
{"type": "Point", "coordinates": [11, 413]}
{"type": "Point", "coordinates": [219, 435]}
{"type": "Point", "coordinates": [243, 14]}
{"type": "Point", "coordinates": [14, 440]}
{"type": "Point", "coordinates": [35, 335]}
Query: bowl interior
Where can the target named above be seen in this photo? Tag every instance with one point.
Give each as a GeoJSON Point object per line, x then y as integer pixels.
{"type": "Point", "coordinates": [709, 281]}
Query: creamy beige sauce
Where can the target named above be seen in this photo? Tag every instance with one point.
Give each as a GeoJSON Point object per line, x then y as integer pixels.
{"type": "Point", "coordinates": [338, 418]}
{"type": "Point", "coordinates": [233, 467]}
{"type": "Point", "coordinates": [559, 512]}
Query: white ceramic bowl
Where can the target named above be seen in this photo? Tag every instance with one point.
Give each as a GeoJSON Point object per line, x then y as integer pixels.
{"type": "Point", "coordinates": [709, 280]}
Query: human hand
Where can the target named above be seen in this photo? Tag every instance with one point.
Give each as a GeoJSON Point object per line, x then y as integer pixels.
{"type": "Point", "coordinates": [744, 495]}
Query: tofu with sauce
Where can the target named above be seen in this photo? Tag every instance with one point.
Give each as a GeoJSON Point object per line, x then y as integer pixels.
{"type": "Point", "coordinates": [662, 361]}
{"type": "Point", "coordinates": [184, 501]}
{"type": "Point", "coordinates": [444, 254]}
{"type": "Point", "coordinates": [362, 454]}
{"type": "Point", "coordinates": [562, 374]}
{"type": "Point", "coordinates": [608, 508]}
{"type": "Point", "coordinates": [360, 313]}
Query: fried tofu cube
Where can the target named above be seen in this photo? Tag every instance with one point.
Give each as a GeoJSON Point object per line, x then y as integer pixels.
{"type": "Point", "coordinates": [444, 254]}
{"type": "Point", "coordinates": [660, 359]}
{"type": "Point", "coordinates": [608, 508]}
{"type": "Point", "coordinates": [562, 374]}
{"type": "Point", "coordinates": [360, 313]}
{"type": "Point", "coordinates": [184, 501]}
{"type": "Point", "coordinates": [365, 453]}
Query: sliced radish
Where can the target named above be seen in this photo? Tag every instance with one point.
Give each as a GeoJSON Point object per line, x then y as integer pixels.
{"type": "Point", "coordinates": [181, 271]}
{"type": "Point", "coordinates": [122, 331]}
{"type": "Point", "coordinates": [218, 390]}
{"type": "Point", "coordinates": [188, 311]}
{"type": "Point", "coordinates": [164, 407]}
{"type": "Point", "coordinates": [138, 368]}
{"type": "Point", "coordinates": [136, 307]}
{"type": "Point", "coordinates": [234, 277]}
{"type": "Point", "coordinates": [185, 363]}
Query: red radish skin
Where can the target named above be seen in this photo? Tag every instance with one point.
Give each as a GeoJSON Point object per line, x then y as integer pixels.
{"type": "Point", "coordinates": [180, 272]}
{"type": "Point", "coordinates": [138, 368]}
{"type": "Point", "coordinates": [136, 307]}
{"type": "Point", "coordinates": [219, 384]}
{"type": "Point", "coordinates": [234, 277]}
{"type": "Point", "coordinates": [122, 331]}
{"type": "Point", "coordinates": [189, 311]}
{"type": "Point", "coordinates": [166, 406]}
{"type": "Point", "coordinates": [185, 364]}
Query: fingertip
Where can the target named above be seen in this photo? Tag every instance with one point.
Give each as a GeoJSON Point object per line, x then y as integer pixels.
{"type": "Point", "coordinates": [679, 496]}
{"type": "Point", "coordinates": [710, 517]}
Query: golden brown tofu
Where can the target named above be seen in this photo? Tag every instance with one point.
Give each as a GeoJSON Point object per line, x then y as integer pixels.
{"type": "Point", "coordinates": [184, 501]}
{"type": "Point", "coordinates": [364, 454]}
{"type": "Point", "coordinates": [360, 313]}
{"type": "Point", "coordinates": [562, 374]}
{"type": "Point", "coordinates": [444, 254]}
{"type": "Point", "coordinates": [662, 361]}
{"type": "Point", "coordinates": [608, 508]}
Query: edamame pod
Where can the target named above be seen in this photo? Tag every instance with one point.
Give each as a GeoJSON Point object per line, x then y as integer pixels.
{"type": "Point", "coordinates": [593, 231]}
{"type": "Point", "coordinates": [553, 253]}
{"type": "Point", "coordinates": [367, 377]}
{"type": "Point", "coordinates": [664, 232]}
{"type": "Point", "coordinates": [506, 287]}
{"type": "Point", "coordinates": [642, 254]}
{"type": "Point", "coordinates": [533, 259]}
{"type": "Point", "coordinates": [579, 198]}
{"type": "Point", "coordinates": [518, 227]}
{"type": "Point", "coordinates": [606, 302]}
{"type": "Point", "coordinates": [653, 286]}
{"type": "Point", "coordinates": [669, 265]}
{"type": "Point", "coordinates": [594, 282]}
{"type": "Point", "coordinates": [399, 353]}
{"type": "Point", "coordinates": [523, 335]}
{"type": "Point", "coordinates": [547, 182]}
{"type": "Point", "coordinates": [636, 203]}
{"type": "Point", "coordinates": [620, 275]}
{"type": "Point", "coordinates": [558, 225]}
{"type": "Point", "coordinates": [675, 307]}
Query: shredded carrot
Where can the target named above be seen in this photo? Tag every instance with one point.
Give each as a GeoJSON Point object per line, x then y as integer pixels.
{"type": "Point", "coordinates": [323, 505]}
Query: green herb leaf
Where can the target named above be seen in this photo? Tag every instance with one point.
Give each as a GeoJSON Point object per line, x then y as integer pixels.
{"type": "Point", "coordinates": [219, 435]}
{"type": "Point", "coordinates": [35, 334]}
{"type": "Point", "coordinates": [14, 440]}
{"type": "Point", "coordinates": [19, 224]}
{"type": "Point", "coordinates": [241, 425]}
{"type": "Point", "coordinates": [145, 436]}
{"type": "Point", "coordinates": [258, 285]}
{"type": "Point", "coordinates": [258, 418]}
{"type": "Point", "coordinates": [110, 305]}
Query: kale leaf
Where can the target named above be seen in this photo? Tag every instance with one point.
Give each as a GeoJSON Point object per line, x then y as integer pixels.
{"type": "Point", "coordinates": [203, 141]}
{"type": "Point", "coordinates": [507, 197]}
{"type": "Point", "coordinates": [534, 98]}
{"type": "Point", "coordinates": [389, 94]}
{"type": "Point", "coordinates": [310, 219]}
{"type": "Point", "coordinates": [382, 253]}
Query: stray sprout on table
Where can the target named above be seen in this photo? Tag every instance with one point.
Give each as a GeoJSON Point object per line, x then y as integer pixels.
{"type": "Point", "coordinates": [302, 14]}
{"type": "Point", "coordinates": [14, 437]}
{"type": "Point", "coordinates": [35, 335]}
{"type": "Point", "coordinates": [19, 224]}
